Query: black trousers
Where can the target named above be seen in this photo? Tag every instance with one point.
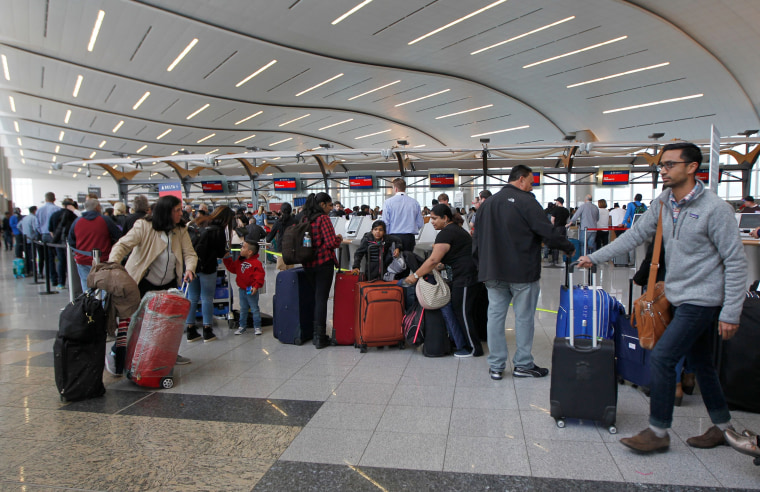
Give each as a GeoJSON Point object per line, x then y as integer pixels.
{"type": "Point", "coordinates": [146, 286]}
{"type": "Point", "coordinates": [320, 278]}
{"type": "Point", "coordinates": [464, 301]}
{"type": "Point", "coordinates": [555, 252]}
{"type": "Point", "coordinates": [407, 241]}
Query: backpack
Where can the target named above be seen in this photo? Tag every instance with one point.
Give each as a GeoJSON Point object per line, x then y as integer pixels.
{"type": "Point", "coordinates": [198, 236]}
{"type": "Point", "coordinates": [293, 250]}
{"type": "Point", "coordinates": [640, 209]}
{"type": "Point", "coordinates": [83, 318]}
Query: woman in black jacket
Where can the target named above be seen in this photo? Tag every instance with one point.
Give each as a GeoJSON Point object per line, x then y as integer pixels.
{"type": "Point", "coordinates": [286, 220]}
{"type": "Point", "coordinates": [379, 249]}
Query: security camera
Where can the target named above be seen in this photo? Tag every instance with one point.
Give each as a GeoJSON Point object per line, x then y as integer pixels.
{"type": "Point", "coordinates": [88, 173]}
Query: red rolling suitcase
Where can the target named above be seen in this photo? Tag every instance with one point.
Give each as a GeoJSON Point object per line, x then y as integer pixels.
{"type": "Point", "coordinates": [379, 315]}
{"type": "Point", "coordinates": [344, 307]}
{"type": "Point", "coordinates": [155, 333]}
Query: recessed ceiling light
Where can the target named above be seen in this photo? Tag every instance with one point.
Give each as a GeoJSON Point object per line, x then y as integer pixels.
{"type": "Point", "coordinates": [576, 51]}
{"type": "Point", "coordinates": [13, 103]}
{"type": "Point", "coordinates": [50, 171]}
{"type": "Point", "coordinates": [246, 138]}
{"type": "Point", "coordinates": [336, 124]}
{"type": "Point", "coordinates": [418, 146]}
{"type": "Point", "coordinates": [373, 90]}
{"type": "Point", "coordinates": [79, 169]}
{"type": "Point", "coordinates": [256, 73]}
{"type": "Point", "coordinates": [212, 151]}
{"type": "Point", "coordinates": [295, 119]}
{"type": "Point", "coordinates": [15, 126]}
{"type": "Point", "coordinates": [319, 85]}
{"type": "Point", "coordinates": [118, 125]}
{"type": "Point", "coordinates": [96, 30]}
{"type": "Point", "coordinates": [372, 134]}
{"type": "Point", "coordinates": [182, 55]}
{"type": "Point", "coordinates": [462, 112]}
{"type": "Point", "coordinates": [142, 148]}
{"type": "Point", "coordinates": [68, 115]}
{"type": "Point", "coordinates": [54, 158]}
{"type": "Point", "coordinates": [276, 159]}
{"type": "Point", "coordinates": [206, 138]}
{"type": "Point", "coordinates": [471, 14]}
{"type": "Point", "coordinates": [18, 141]}
{"type": "Point", "coordinates": [23, 161]}
{"type": "Point", "coordinates": [175, 152]}
{"type": "Point", "coordinates": [78, 85]}
{"type": "Point", "coordinates": [249, 117]}
{"type": "Point", "coordinates": [93, 154]}
{"type": "Point", "coordinates": [365, 2]}
{"type": "Point", "coordinates": [97, 177]}
{"type": "Point", "coordinates": [164, 134]}
{"type": "Point", "coordinates": [524, 35]}
{"type": "Point", "coordinates": [21, 152]}
{"type": "Point", "coordinates": [423, 97]}
{"type": "Point", "coordinates": [654, 103]}
{"type": "Point", "coordinates": [280, 141]}
{"type": "Point", "coordinates": [197, 111]}
{"type": "Point", "coordinates": [141, 100]}
{"type": "Point", "coordinates": [57, 148]}
{"type": "Point", "coordinates": [60, 136]}
{"type": "Point", "coordinates": [619, 74]}
{"type": "Point", "coordinates": [500, 131]}
{"type": "Point", "coordinates": [6, 72]}
{"type": "Point", "coordinates": [105, 173]}
{"type": "Point", "coordinates": [102, 144]}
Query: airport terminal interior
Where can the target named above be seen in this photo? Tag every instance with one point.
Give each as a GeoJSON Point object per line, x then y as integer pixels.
{"type": "Point", "coordinates": [253, 103]}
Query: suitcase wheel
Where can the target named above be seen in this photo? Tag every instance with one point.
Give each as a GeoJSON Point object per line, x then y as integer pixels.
{"type": "Point", "coordinates": [232, 324]}
{"type": "Point", "coordinates": [401, 345]}
{"type": "Point", "coordinates": [756, 461]}
{"type": "Point", "coordinates": [167, 383]}
{"type": "Point", "coordinates": [561, 423]}
{"type": "Point", "coordinates": [129, 375]}
{"type": "Point", "coordinates": [298, 341]}
{"type": "Point", "coordinates": [363, 349]}
{"type": "Point", "coordinates": [612, 429]}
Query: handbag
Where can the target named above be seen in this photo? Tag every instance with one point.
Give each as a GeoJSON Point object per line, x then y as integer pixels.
{"type": "Point", "coordinates": [652, 312]}
{"type": "Point", "coordinates": [433, 296]}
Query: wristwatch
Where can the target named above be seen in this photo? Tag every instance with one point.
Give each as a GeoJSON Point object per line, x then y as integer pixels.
{"type": "Point", "coordinates": [414, 274]}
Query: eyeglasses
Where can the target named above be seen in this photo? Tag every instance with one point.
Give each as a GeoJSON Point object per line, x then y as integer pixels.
{"type": "Point", "coordinates": [669, 164]}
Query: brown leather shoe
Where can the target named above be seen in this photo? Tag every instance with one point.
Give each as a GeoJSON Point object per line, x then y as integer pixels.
{"type": "Point", "coordinates": [679, 395]}
{"type": "Point", "coordinates": [689, 381]}
{"type": "Point", "coordinates": [744, 444]}
{"type": "Point", "coordinates": [647, 441]}
{"type": "Point", "coordinates": [713, 437]}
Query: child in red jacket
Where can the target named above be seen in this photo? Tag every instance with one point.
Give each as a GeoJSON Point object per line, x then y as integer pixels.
{"type": "Point", "coordinates": [249, 278]}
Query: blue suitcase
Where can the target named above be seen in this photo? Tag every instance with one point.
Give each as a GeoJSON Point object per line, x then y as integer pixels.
{"type": "Point", "coordinates": [293, 304]}
{"type": "Point", "coordinates": [607, 309]}
{"type": "Point", "coordinates": [632, 360]}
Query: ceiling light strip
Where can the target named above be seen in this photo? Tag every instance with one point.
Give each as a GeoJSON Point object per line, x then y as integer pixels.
{"type": "Point", "coordinates": [182, 55]}
{"type": "Point", "coordinates": [116, 128]}
{"type": "Point", "coordinates": [164, 134]}
{"type": "Point", "coordinates": [102, 144]}
{"type": "Point", "coordinates": [472, 14]}
{"type": "Point", "coordinates": [619, 74]}
{"type": "Point", "coordinates": [248, 118]}
{"type": "Point", "coordinates": [587, 48]}
{"type": "Point", "coordinates": [13, 103]}
{"type": "Point", "coordinates": [94, 152]}
{"type": "Point", "coordinates": [423, 97]}
{"type": "Point", "coordinates": [15, 126]}
{"type": "Point", "coordinates": [352, 11]}
{"type": "Point", "coordinates": [206, 138]}
{"type": "Point", "coordinates": [280, 141]}
{"type": "Point", "coordinates": [372, 134]}
{"type": "Point", "coordinates": [78, 85]}
{"type": "Point", "coordinates": [654, 103]}
{"type": "Point", "coordinates": [500, 131]}
{"type": "Point", "coordinates": [96, 30]}
{"type": "Point", "coordinates": [319, 85]}
{"type": "Point", "coordinates": [463, 112]}
{"type": "Point", "coordinates": [335, 124]}
{"type": "Point", "coordinates": [256, 73]}
{"type": "Point", "coordinates": [60, 136]}
{"type": "Point", "coordinates": [534, 31]}
{"type": "Point", "coordinates": [68, 115]}
{"type": "Point", "coordinates": [142, 148]}
{"type": "Point", "coordinates": [141, 100]}
{"type": "Point", "coordinates": [373, 90]}
{"type": "Point", "coordinates": [212, 151]}
{"type": "Point", "coordinates": [57, 148]}
{"type": "Point", "coordinates": [6, 72]}
{"type": "Point", "coordinates": [295, 119]}
{"type": "Point", "coordinates": [197, 111]}
{"type": "Point", "coordinates": [244, 139]}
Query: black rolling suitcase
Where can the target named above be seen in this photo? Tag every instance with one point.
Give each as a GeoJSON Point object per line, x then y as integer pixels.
{"type": "Point", "coordinates": [738, 363]}
{"type": "Point", "coordinates": [436, 342]}
{"type": "Point", "coordinates": [583, 384]}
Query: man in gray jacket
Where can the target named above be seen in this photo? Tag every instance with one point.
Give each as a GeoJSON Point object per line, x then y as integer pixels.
{"type": "Point", "coordinates": [705, 281]}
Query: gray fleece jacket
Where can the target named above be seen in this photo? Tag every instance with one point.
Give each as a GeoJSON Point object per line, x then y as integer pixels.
{"type": "Point", "coordinates": [704, 255]}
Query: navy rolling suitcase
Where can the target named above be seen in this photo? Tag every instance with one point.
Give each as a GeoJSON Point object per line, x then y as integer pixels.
{"type": "Point", "coordinates": [583, 383]}
{"type": "Point", "coordinates": [607, 311]}
{"type": "Point", "coordinates": [293, 304]}
{"type": "Point", "coordinates": [632, 361]}
{"type": "Point", "coordinates": [578, 249]}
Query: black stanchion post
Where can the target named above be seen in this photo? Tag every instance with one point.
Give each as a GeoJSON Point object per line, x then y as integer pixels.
{"type": "Point", "coordinates": [33, 249]}
{"type": "Point", "coordinates": [48, 291]}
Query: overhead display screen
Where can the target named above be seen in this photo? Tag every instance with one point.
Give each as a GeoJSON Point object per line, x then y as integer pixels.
{"type": "Point", "coordinates": [212, 187]}
{"type": "Point", "coordinates": [442, 180]}
{"type": "Point", "coordinates": [615, 177]}
{"type": "Point", "coordinates": [361, 182]}
{"type": "Point", "coordinates": [285, 184]}
{"type": "Point", "coordinates": [537, 179]}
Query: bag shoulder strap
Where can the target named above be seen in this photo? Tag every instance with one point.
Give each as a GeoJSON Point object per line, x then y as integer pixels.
{"type": "Point", "coordinates": [655, 265]}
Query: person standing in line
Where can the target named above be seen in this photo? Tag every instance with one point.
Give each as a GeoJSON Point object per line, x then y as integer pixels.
{"type": "Point", "coordinates": [285, 220]}
{"type": "Point", "coordinates": [705, 280]}
{"type": "Point", "coordinates": [602, 237]}
{"type": "Point", "coordinates": [588, 214]}
{"type": "Point", "coordinates": [61, 220]}
{"type": "Point", "coordinates": [402, 215]}
{"type": "Point", "coordinates": [482, 197]}
{"type": "Point", "coordinates": [43, 228]}
{"type": "Point", "coordinates": [140, 209]}
{"type": "Point", "coordinates": [507, 248]}
{"type": "Point", "coordinates": [14, 222]}
{"type": "Point", "coordinates": [559, 220]}
{"type": "Point", "coordinates": [7, 232]}
{"type": "Point", "coordinates": [91, 231]}
{"type": "Point", "coordinates": [27, 227]}
{"type": "Point", "coordinates": [749, 206]}
{"type": "Point", "coordinates": [633, 208]}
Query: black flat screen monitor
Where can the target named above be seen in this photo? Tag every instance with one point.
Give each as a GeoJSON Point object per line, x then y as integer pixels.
{"type": "Point", "coordinates": [748, 222]}
{"type": "Point", "coordinates": [353, 225]}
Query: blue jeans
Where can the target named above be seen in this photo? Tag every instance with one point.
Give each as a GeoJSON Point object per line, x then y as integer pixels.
{"type": "Point", "coordinates": [689, 334]}
{"type": "Point", "coordinates": [524, 297]}
{"type": "Point", "coordinates": [202, 288]}
{"type": "Point", "coordinates": [83, 271]}
{"type": "Point", "coordinates": [590, 241]}
{"type": "Point", "coordinates": [452, 326]}
{"type": "Point", "coordinates": [249, 302]}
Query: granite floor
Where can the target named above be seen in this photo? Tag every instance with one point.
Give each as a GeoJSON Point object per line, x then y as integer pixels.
{"type": "Point", "coordinates": [250, 413]}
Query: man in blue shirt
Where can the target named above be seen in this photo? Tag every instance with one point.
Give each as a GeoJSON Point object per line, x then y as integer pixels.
{"type": "Point", "coordinates": [402, 215]}
{"type": "Point", "coordinates": [43, 227]}
{"type": "Point", "coordinates": [28, 227]}
{"type": "Point", "coordinates": [13, 223]}
{"type": "Point", "coordinates": [633, 208]}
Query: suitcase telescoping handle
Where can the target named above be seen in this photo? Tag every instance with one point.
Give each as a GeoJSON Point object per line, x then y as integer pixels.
{"type": "Point", "coordinates": [571, 310]}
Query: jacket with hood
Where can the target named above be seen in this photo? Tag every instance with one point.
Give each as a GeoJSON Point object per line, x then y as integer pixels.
{"type": "Point", "coordinates": [249, 272]}
{"type": "Point", "coordinates": [93, 231]}
{"type": "Point", "coordinates": [379, 254]}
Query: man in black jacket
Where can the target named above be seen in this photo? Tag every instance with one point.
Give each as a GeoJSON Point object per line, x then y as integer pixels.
{"type": "Point", "coordinates": [507, 247]}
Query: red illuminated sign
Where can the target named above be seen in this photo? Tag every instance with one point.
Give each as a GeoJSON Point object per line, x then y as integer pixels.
{"type": "Point", "coordinates": [361, 182]}
{"type": "Point", "coordinates": [285, 184]}
{"type": "Point", "coordinates": [536, 180]}
{"type": "Point", "coordinates": [615, 177]}
{"type": "Point", "coordinates": [212, 187]}
{"type": "Point", "coordinates": [442, 180]}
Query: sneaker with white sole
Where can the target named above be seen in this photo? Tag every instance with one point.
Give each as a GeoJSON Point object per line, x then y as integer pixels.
{"type": "Point", "coordinates": [532, 372]}
{"type": "Point", "coordinates": [463, 353]}
{"type": "Point", "coordinates": [241, 330]}
{"type": "Point", "coordinates": [181, 361]}
{"type": "Point", "coordinates": [257, 331]}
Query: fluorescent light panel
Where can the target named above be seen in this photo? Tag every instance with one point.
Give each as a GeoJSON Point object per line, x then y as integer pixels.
{"type": "Point", "coordinates": [248, 118]}
{"type": "Point", "coordinates": [102, 144]}
{"type": "Point", "coordinates": [534, 31]}
{"type": "Point", "coordinates": [94, 152]}
{"type": "Point", "coordinates": [654, 103]}
{"type": "Point", "coordinates": [619, 74]}
{"type": "Point", "coordinates": [182, 55]}
{"type": "Point", "coordinates": [141, 100]}
{"type": "Point", "coordinates": [78, 85]}
{"type": "Point", "coordinates": [212, 151]}
{"type": "Point", "coordinates": [142, 148]}
{"type": "Point", "coordinates": [18, 141]}
{"type": "Point", "coordinates": [206, 138]}
{"type": "Point", "coordinates": [373, 90]}
{"type": "Point", "coordinates": [244, 139]}
{"type": "Point", "coordinates": [280, 141]}
{"type": "Point", "coordinates": [353, 10]}
{"type": "Point", "coordinates": [256, 73]}
{"type": "Point", "coordinates": [118, 125]}
{"type": "Point", "coordinates": [6, 72]}
{"type": "Point", "coordinates": [164, 134]}
{"type": "Point", "coordinates": [57, 148]}
{"type": "Point", "coordinates": [198, 111]}
{"type": "Point", "coordinates": [13, 103]}
{"type": "Point", "coordinates": [54, 159]}
{"type": "Point", "coordinates": [295, 119]}
{"type": "Point", "coordinates": [68, 115]}
{"type": "Point", "coordinates": [423, 97]}
{"type": "Point", "coordinates": [418, 146]}
{"type": "Point", "coordinates": [587, 48]}
{"type": "Point", "coordinates": [15, 126]}
{"type": "Point", "coordinates": [372, 134]}
{"type": "Point", "coordinates": [336, 124]}
{"type": "Point", "coordinates": [462, 112]}
{"type": "Point", "coordinates": [95, 30]}
{"type": "Point", "coordinates": [319, 85]}
{"type": "Point", "coordinates": [60, 136]}
{"type": "Point", "coordinates": [21, 152]}
{"type": "Point", "coordinates": [500, 131]}
{"type": "Point", "coordinates": [453, 23]}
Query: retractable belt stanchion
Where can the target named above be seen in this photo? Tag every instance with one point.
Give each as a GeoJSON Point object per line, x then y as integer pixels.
{"type": "Point", "coordinates": [34, 260]}
{"type": "Point", "coordinates": [48, 291]}
{"type": "Point", "coordinates": [70, 269]}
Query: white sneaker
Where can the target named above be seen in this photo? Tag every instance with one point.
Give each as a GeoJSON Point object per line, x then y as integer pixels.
{"type": "Point", "coordinates": [241, 330]}
{"type": "Point", "coordinates": [257, 331]}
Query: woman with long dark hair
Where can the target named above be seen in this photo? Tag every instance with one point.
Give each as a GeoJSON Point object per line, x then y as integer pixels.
{"type": "Point", "coordinates": [286, 220]}
{"type": "Point", "coordinates": [210, 244]}
{"type": "Point", "coordinates": [319, 272]}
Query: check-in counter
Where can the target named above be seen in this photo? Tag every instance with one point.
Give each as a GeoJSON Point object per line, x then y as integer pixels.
{"type": "Point", "coordinates": [356, 228]}
{"type": "Point", "coordinates": [752, 250]}
{"type": "Point", "coordinates": [425, 240]}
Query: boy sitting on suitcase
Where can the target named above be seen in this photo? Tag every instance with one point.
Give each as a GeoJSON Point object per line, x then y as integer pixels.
{"type": "Point", "coordinates": [249, 274]}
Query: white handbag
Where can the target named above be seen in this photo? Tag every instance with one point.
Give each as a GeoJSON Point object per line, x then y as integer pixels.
{"type": "Point", "coordinates": [433, 296]}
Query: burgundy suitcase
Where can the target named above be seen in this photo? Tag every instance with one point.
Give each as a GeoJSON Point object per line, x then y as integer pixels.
{"type": "Point", "coordinates": [155, 333]}
{"type": "Point", "coordinates": [379, 315]}
{"type": "Point", "coordinates": [344, 299]}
